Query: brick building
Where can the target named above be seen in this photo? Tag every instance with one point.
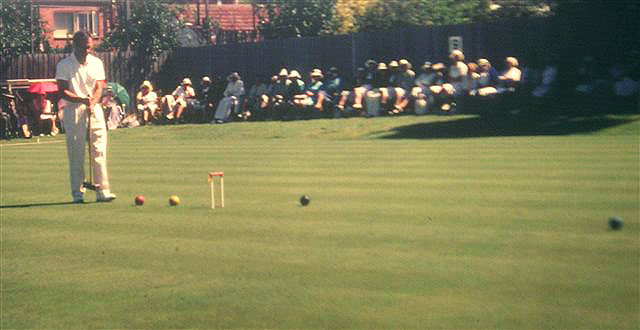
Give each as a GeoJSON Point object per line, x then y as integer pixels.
{"type": "Point", "coordinates": [64, 17]}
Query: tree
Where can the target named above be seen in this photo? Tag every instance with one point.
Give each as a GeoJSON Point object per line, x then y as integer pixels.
{"type": "Point", "coordinates": [346, 11]}
{"type": "Point", "coordinates": [21, 28]}
{"type": "Point", "coordinates": [294, 18]}
{"type": "Point", "coordinates": [151, 29]}
{"type": "Point", "coordinates": [500, 9]}
{"type": "Point", "coordinates": [383, 15]}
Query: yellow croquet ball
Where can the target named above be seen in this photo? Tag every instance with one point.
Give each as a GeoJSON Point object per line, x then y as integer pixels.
{"type": "Point", "coordinates": [174, 200]}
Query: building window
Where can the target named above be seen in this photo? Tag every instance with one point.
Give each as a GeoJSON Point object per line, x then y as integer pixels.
{"type": "Point", "coordinates": [69, 23]}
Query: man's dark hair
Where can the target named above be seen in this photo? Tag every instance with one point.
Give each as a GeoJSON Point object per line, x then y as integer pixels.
{"type": "Point", "coordinates": [81, 36]}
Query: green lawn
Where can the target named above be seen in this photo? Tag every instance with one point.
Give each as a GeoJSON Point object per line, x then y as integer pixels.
{"type": "Point", "coordinates": [414, 222]}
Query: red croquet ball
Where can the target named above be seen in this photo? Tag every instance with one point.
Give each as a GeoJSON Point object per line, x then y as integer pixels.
{"type": "Point", "coordinates": [139, 200]}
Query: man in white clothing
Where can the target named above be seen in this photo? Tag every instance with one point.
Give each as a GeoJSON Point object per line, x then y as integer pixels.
{"type": "Point", "coordinates": [81, 80]}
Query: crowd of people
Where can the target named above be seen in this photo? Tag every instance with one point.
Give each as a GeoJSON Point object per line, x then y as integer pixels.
{"type": "Point", "coordinates": [377, 89]}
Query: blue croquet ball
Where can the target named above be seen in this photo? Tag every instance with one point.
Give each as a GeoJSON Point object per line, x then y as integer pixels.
{"type": "Point", "coordinates": [304, 200]}
{"type": "Point", "coordinates": [615, 223]}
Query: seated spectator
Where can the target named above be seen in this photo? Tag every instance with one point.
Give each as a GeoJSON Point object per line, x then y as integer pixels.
{"type": "Point", "coordinates": [420, 92]}
{"type": "Point", "coordinates": [298, 95]}
{"type": "Point", "coordinates": [254, 98]}
{"type": "Point", "coordinates": [334, 84]}
{"type": "Point", "coordinates": [348, 95]}
{"type": "Point", "coordinates": [370, 67]}
{"type": "Point", "coordinates": [113, 112]}
{"type": "Point", "coordinates": [547, 79]}
{"type": "Point", "coordinates": [441, 91]}
{"type": "Point", "coordinates": [203, 105]}
{"type": "Point", "coordinates": [147, 100]}
{"type": "Point", "coordinates": [404, 84]}
{"type": "Point", "coordinates": [9, 115]}
{"type": "Point", "coordinates": [316, 96]}
{"type": "Point", "coordinates": [44, 119]}
{"type": "Point", "coordinates": [377, 97]}
{"type": "Point", "coordinates": [472, 78]}
{"type": "Point", "coordinates": [178, 100]}
{"type": "Point", "coordinates": [232, 100]}
{"type": "Point", "coordinates": [485, 84]}
{"type": "Point", "coordinates": [511, 76]}
{"type": "Point", "coordinates": [394, 71]}
{"type": "Point", "coordinates": [457, 74]}
{"type": "Point", "coordinates": [279, 96]}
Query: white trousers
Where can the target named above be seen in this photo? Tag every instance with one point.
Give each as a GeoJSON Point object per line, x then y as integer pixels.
{"type": "Point", "coordinates": [75, 124]}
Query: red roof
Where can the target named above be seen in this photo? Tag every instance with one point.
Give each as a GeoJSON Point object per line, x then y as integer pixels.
{"type": "Point", "coordinates": [230, 17]}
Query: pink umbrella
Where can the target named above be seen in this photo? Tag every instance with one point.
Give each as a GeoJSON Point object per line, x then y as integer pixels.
{"type": "Point", "coordinates": [43, 88]}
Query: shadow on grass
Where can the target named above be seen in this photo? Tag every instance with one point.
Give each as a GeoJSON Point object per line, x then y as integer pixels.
{"type": "Point", "coordinates": [19, 206]}
{"type": "Point", "coordinates": [526, 124]}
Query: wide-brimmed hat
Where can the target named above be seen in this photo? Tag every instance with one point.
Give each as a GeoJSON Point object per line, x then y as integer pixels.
{"type": "Point", "coordinates": [369, 63]}
{"type": "Point", "coordinates": [457, 55]}
{"type": "Point", "coordinates": [483, 62]}
{"type": "Point", "coordinates": [393, 64]}
{"type": "Point", "coordinates": [382, 66]}
{"type": "Point", "coordinates": [186, 81]}
{"type": "Point", "coordinates": [146, 84]}
{"type": "Point", "coordinates": [295, 74]}
{"type": "Point", "coordinates": [207, 79]}
{"type": "Point", "coordinates": [283, 73]}
{"type": "Point", "coordinates": [438, 66]}
{"type": "Point", "coordinates": [317, 73]}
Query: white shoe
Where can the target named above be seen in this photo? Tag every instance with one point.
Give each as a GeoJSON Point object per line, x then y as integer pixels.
{"type": "Point", "coordinates": [105, 196]}
{"type": "Point", "coordinates": [78, 197]}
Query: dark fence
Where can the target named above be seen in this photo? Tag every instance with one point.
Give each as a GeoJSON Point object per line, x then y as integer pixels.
{"type": "Point", "coordinates": [524, 39]}
{"type": "Point", "coordinates": [126, 68]}
{"type": "Point", "coordinates": [528, 40]}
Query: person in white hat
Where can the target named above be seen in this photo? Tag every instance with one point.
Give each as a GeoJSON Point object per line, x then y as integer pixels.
{"type": "Point", "coordinates": [232, 101]}
{"type": "Point", "coordinates": [81, 79]}
{"type": "Point", "coordinates": [177, 102]}
{"type": "Point", "coordinates": [298, 96]}
{"type": "Point", "coordinates": [316, 93]}
{"type": "Point", "coordinates": [147, 101]}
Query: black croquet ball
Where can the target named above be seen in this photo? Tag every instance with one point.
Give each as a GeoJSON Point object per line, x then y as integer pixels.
{"type": "Point", "coordinates": [304, 200]}
{"type": "Point", "coordinates": [615, 223]}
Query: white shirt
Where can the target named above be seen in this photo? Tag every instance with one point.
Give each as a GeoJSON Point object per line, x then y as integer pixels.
{"type": "Point", "coordinates": [82, 78]}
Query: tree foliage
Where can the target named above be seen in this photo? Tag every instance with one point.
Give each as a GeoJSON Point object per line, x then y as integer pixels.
{"type": "Point", "coordinates": [20, 28]}
{"type": "Point", "coordinates": [346, 11]}
{"type": "Point", "coordinates": [151, 29]}
{"type": "Point", "coordinates": [383, 15]}
{"type": "Point", "coordinates": [294, 18]}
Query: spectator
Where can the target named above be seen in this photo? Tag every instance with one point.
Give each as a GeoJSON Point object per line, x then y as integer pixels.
{"type": "Point", "coordinates": [457, 74]}
{"type": "Point", "coordinates": [298, 95]}
{"type": "Point", "coordinates": [279, 96]}
{"type": "Point", "coordinates": [44, 119]}
{"type": "Point", "coordinates": [404, 84]}
{"type": "Point", "coordinates": [420, 93]}
{"type": "Point", "coordinates": [147, 100]}
{"type": "Point", "coordinates": [177, 102]}
{"type": "Point", "coordinates": [316, 94]}
{"type": "Point", "coordinates": [334, 84]}
{"type": "Point", "coordinates": [254, 98]}
{"type": "Point", "coordinates": [547, 79]}
{"type": "Point", "coordinates": [487, 79]}
{"type": "Point", "coordinates": [394, 71]}
{"type": "Point", "coordinates": [230, 103]}
{"type": "Point", "coordinates": [113, 112]}
{"type": "Point", "coordinates": [511, 76]}
{"type": "Point", "coordinates": [203, 105]}
{"type": "Point", "coordinates": [378, 95]}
